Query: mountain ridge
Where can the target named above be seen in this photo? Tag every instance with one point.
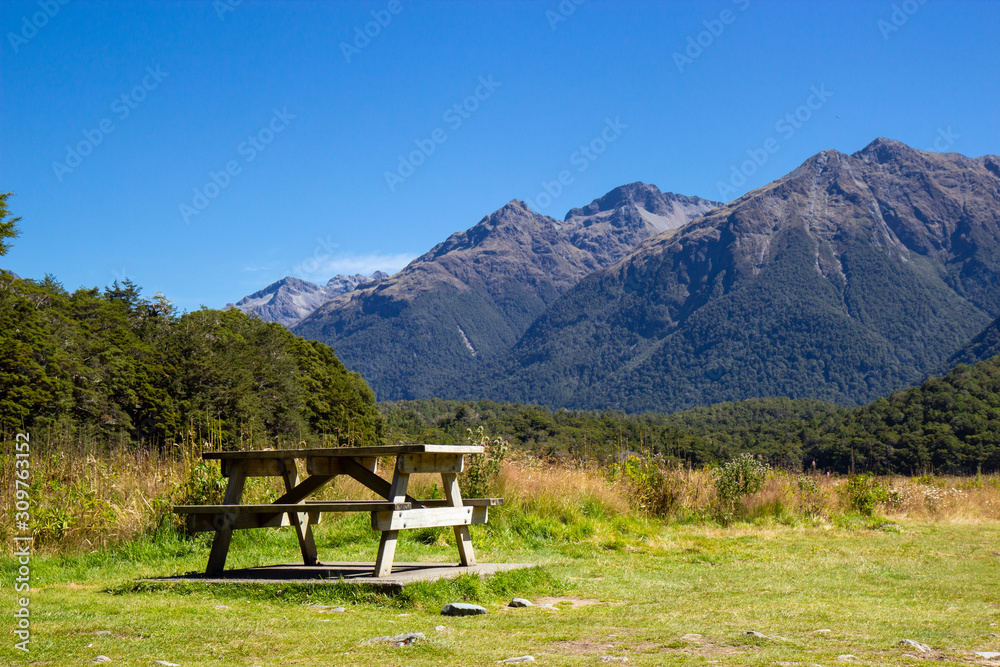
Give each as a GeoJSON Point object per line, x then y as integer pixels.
{"type": "Point", "coordinates": [290, 299]}
{"type": "Point", "coordinates": [470, 297]}
{"type": "Point", "coordinates": [895, 251]}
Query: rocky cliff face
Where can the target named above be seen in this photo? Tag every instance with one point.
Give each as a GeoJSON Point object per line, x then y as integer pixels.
{"type": "Point", "coordinates": [470, 298]}
{"type": "Point", "coordinates": [849, 277]}
{"type": "Point", "coordinates": [290, 299]}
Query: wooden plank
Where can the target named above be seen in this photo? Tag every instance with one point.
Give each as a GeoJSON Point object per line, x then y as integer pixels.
{"type": "Point", "coordinates": [462, 537]}
{"type": "Point", "coordinates": [224, 530]}
{"type": "Point", "coordinates": [290, 498]}
{"type": "Point", "coordinates": [332, 465]}
{"type": "Point", "coordinates": [372, 481]}
{"type": "Point", "coordinates": [387, 541]}
{"type": "Point", "coordinates": [311, 506]}
{"type": "Point", "coordinates": [426, 517]}
{"type": "Point", "coordinates": [303, 529]}
{"type": "Point", "coordinates": [378, 451]}
{"type": "Point", "coordinates": [203, 523]}
{"type": "Point", "coordinates": [386, 553]}
{"type": "Point", "coordinates": [256, 467]}
{"type": "Point", "coordinates": [417, 463]}
{"type": "Point", "coordinates": [323, 465]}
{"type": "Point", "coordinates": [304, 489]}
{"type": "Point", "coordinates": [467, 502]}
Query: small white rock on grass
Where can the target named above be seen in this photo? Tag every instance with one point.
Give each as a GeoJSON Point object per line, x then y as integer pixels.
{"type": "Point", "coordinates": [911, 643]}
{"type": "Point", "coordinates": [399, 640]}
{"type": "Point", "coordinates": [101, 658]}
{"type": "Point", "coordinates": [519, 659]}
{"type": "Point", "coordinates": [164, 663]}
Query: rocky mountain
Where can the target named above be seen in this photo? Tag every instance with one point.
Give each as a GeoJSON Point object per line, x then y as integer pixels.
{"type": "Point", "coordinates": [850, 277]}
{"type": "Point", "coordinates": [290, 299]}
{"type": "Point", "coordinates": [426, 331]}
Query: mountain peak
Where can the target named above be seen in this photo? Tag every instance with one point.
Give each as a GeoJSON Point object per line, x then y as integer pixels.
{"type": "Point", "coordinates": [884, 150]}
{"type": "Point", "coordinates": [288, 300]}
{"type": "Point", "coordinates": [641, 206]}
{"type": "Point", "coordinates": [637, 193]}
{"type": "Point", "coordinates": [515, 205]}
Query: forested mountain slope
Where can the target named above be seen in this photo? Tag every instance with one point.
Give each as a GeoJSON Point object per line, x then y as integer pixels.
{"type": "Point", "coordinates": [429, 328]}
{"type": "Point", "coordinates": [850, 277]}
{"type": "Point", "coordinates": [948, 424]}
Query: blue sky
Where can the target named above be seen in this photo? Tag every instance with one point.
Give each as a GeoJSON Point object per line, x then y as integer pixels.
{"type": "Point", "coordinates": [206, 149]}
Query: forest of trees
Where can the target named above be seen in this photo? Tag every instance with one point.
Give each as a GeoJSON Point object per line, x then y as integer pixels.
{"type": "Point", "coordinates": [111, 365]}
{"type": "Point", "coordinates": [947, 425]}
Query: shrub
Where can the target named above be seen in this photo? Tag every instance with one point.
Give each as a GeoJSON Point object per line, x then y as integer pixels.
{"type": "Point", "coordinates": [864, 494]}
{"type": "Point", "coordinates": [741, 477]}
{"type": "Point", "coordinates": [482, 471]}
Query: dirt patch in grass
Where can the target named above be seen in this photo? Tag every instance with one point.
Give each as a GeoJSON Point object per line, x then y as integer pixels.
{"type": "Point", "coordinates": [582, 647]}
{"type": "Point", "coordinates": [567, 602]}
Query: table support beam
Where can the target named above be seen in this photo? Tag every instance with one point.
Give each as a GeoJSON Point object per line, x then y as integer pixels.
{"type": "Point", "coordinates": [300, 520]}
{"type": "Point", "coordinates": [462, 537]}
{"type": "Point", "coordinates": [387, 542]}
{"type": "Point", "coordinates": [224, 529]}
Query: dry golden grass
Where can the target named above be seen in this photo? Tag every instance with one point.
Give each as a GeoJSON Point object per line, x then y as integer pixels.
{"type": "Point", "coordinates": [83, 498]}
{"type": "Point", "coordinates": [967, 500]}
{"type": "Point", "coordinates": [531, 485]}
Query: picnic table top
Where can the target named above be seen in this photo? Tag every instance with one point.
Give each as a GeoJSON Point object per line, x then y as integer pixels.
{"type": "Point", "coordinates": [379, 450]}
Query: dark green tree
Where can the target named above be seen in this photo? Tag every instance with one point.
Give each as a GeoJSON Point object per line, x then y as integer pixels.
{"type": "Point", "coordinates": [8, 225]}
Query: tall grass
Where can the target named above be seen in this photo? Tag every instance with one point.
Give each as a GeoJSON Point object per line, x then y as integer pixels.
{"type": "Point", "coordinates": [85, 498]}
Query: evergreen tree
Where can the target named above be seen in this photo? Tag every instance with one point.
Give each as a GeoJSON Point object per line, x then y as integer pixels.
{"type": "Point", "coordinates": [8, 225]}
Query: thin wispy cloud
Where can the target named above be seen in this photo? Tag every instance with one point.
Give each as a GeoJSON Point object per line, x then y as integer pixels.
{"type": "Point", "coordinates": [350, 264]}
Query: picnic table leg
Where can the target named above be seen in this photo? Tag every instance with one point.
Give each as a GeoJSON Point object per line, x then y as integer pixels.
{"type": "Point", "coordinates": [300, 519]}
{"type": "Point", "coordinates": [224, 527]}
{"type": "Point", "coordinates": [450, 482]}
{"type": "Point", "coordinates": [387, 543]}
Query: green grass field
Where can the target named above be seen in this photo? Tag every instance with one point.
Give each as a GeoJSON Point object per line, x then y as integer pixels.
{"type": "Point", "coordinates": [630, 588]}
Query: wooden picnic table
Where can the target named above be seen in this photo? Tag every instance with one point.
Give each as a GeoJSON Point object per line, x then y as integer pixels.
{"type": "Point", "coordinates": [398, 511]}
